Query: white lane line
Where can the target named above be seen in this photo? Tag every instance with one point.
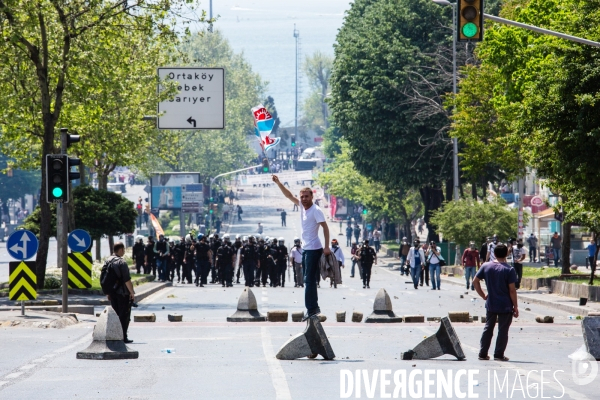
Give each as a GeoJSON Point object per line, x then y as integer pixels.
{"type": "Point", "coordinates": [14, 375]}
{"type": "Point", "coordinates": [39, 360]}
{"type": "Point", "coordinates": [264, 299]}
{"type": "Point", "coordinates": [3, 383]}
{"type": "Point", "coordinates": [572, 393]}
{"type": "Point", "coordinates": [28, 366]}
{"type": "Point", "coordinates": [282, 391]}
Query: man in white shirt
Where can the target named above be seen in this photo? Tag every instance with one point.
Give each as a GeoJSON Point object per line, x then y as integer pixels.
{"type": "Point", "coordinates": [296, 263]}
{"type": "Point", "coordinates": [312, 217]}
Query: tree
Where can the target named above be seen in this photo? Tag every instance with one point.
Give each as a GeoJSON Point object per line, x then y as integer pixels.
{"type": "Point", "coordinates": [44, 42]}
{"type": "Point", "coordinates": [15, 183]}
{"type": "Point", "coordinates": [317, 68]}
{"type": "Point", "coordinates": [387, 91]}
{"type": "Point", "coordinates": [470, 220]}
{"type": "Point", "coordinates": [101, 212]}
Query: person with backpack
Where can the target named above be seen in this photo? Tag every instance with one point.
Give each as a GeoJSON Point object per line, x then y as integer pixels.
{"type": "Point", "coordinates": [115, 281]}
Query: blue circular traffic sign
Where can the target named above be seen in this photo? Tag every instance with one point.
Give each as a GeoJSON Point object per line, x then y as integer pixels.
{"type": "Point", "coordinates": [79, 241]}
{"type": "Point", "coordinates": [22, 245]}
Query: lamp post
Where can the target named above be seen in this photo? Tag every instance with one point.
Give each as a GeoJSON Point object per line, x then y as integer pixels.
{"type": "Point", "coordinates": [454, 140]}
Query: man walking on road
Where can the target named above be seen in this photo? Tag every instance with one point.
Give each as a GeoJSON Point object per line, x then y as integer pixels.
{"type": "Point", "coordinates": [348, 235]}
{"type": "Point", "coordinates": [416, 258]}
{"type": "Point", "coordinates": [312, 217]}
{"type": "Point", "coordinates": [532, 242]}
{"type": "Point", "coordinates": [556, 242]}
{"type": "Point", "coordinates": [367, 257]}
{"type": "Point", "coordinates": [470, 260]}
{"type": "Point", "coordinates": [500, 302]}
{"type": "Point", "coordinates": [283, 215]}
{"type": "Point", "coordinates": [123, 294]}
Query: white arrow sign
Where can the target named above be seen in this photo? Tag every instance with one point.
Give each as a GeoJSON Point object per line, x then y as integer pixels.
{"type": "Point", "coordinates": [22, 249]}
{"type": "Point", "coordinates": [80, 242]}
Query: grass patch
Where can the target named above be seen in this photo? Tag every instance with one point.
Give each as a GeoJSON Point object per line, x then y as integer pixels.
{"type": "Point", "coordinates": [391, 245]}
{"type": "Point", "coordinates": [532, 272]}
{"type": "Point", "coordinates": [135, 278]}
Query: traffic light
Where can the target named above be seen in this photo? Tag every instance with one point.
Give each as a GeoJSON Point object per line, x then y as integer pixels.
{"type": "Point", "coordinates": [365, 211]}
{"type": "Point", "coordinates": [470, 21]}
{"type": "Point", "coordinates": [73, 162]}
{"type": "Point", "coordinates": [293, 140]}
{"type": "Point", "coordinates": [57, 178]}
{"type": "Point", "coordinates": [265, 163]}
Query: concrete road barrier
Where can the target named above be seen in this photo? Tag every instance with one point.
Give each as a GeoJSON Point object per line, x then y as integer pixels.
{"type": "Point", "coordinates": [144, 317]}
{"type": "Point", "coordinates": [458, 316]}
{"type": "Point", "coordinates": [340, 316]}
{"type": "Point", "coordinates": [357, 316]}
{"type": "Point", "coordinates": [175, 317]}
{"type": "Point", "coordinates": [277, 316]}
{"type": "Point", "coordinates": [297, 316]}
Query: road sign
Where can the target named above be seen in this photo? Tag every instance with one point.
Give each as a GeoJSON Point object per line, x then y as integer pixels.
{"type": "Point", "coordinates": [79, 240]}
{"type": "Point", "coordinates": [537, 201]}
{"type": "Point", "coordinates": [192, 197]}
{"type": "Point", "coordinates": [80, 270]}
{"type": "Point", "coordinates": [199, 102]}
{"type": "Point", "coordinates": [22, 245]}
{"type": "Point", "coordinates": [22, 280]}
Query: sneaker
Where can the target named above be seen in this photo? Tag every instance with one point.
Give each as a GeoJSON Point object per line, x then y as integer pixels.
{"type": "Point", "coordinates": [307, 315]}
{"type": "Point", "coordinates": [351, 276]}
{"type": "Point", "coordinates": [416, 287]}
{"type": "Point", "coordinates": [201, 285]}
{"type": "Point", "coordinates": [364, 286]}
{"type": "Point", "coordinates": [368, 287]}
{"type": "Point", "coordinates": [439, 289]}
{"type": "Point", "coordinates": [472, 288]}
{"type": "Point", "coordinates": [128, 340]}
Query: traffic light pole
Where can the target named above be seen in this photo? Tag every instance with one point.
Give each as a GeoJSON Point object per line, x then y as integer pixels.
{"type": "Point", "coordinates": [61, 234]}
{"type": "Point", "coordinates": [541, 30]}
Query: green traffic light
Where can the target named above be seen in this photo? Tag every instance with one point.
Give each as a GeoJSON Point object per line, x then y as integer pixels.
{"type": "Point", "coordinates": [210, 212]}
{"type": "Point", "coordinates": [57, 192]}
{"type": "Point", "coordinates": [469, 29]}
{"type": "Point", "coordinates": [265, 169]}
{"type": "Point", "coordinates": [293, 144]}
{"type": "Point", "coordinates": [365, 212]}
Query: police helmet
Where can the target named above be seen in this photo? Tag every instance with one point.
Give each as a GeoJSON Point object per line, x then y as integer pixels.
{"type": "Point", "coordinates": [297, 241]}
{"type": "Point", "coordinates": [238, 237]}
{"type": "Point", "coordinates": [274, 240]}
{"type": "Point", "coordinates": [267, 239]}
{"type": "Point", "coordinates": [281, 240]}
{"type": "Point", "coordinates": [139, 238]}
{"type": "Point", "coordinates": [188, 238]}
{"type": "Point", "coordinates": [200, 235]}
{"type": "Point", "coordinates": [250, 239]}
{"type": "Point", "coordinates": [225, 237]}
{"type": "Point", "coordinates": [211, 236]}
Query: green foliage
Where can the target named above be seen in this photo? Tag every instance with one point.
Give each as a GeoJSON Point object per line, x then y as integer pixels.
{"type": "Point", "coordinates": [331, 142]}
{"type": "Point", "coordinates": [33, 221]}
{"type": "Point", "coordinates": [469, 220]}
{"type": "Point", "coordinates": [101, 212]}
{"type": "Point", "coordinates": [20, 183]}
{"type": "Point", "coordinates": [315, 114]}
{"type": "Point", "coordinates": [52, 282]}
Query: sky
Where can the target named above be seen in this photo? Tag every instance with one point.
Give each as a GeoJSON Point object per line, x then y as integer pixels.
{"type": "Point", "coordinates": [264, 31]}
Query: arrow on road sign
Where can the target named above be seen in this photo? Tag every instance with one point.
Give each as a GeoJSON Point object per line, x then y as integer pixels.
{"type": "Point", "coordinates": [21, 249]}
{"type": "Point", "coordinates": [191, 121]}
{"type": "Point", "coordinates": [80, 242]}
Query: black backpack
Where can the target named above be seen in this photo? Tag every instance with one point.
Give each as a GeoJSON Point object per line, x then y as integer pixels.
{"type": "Point", "coordinates": [108, 277]}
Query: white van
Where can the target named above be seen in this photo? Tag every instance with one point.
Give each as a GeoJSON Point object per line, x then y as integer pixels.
{"type": "Point", "coordinates": [310, 158]}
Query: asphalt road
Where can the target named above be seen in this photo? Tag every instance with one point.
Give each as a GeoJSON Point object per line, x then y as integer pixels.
{"type": "Point", "coordinates": [214, 359]}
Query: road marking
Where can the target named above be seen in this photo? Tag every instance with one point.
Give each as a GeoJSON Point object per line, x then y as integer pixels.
{"type": "Point", "coordinates": [282, 391]}
{"type": "Point", "coordinates": [264, 299]}
{"type": "Point", "coordinates": [43, 359]}
{"type": "Point", "coordinates": [28, 366]}
{"type": "Point", "coordinates": [3, 383]}
{"type": "Point", "coordinates": [14, 375]}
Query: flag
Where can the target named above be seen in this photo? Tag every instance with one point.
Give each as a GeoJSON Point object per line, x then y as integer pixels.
{"type": "Point", "coordinates": [156, 225]}
{"type": "Point", "coordinates": [263, 125]}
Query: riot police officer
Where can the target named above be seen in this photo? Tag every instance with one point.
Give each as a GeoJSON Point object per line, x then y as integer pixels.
{"type": "Point", "coordinates": [224, 261]}
{"type": "Point", "coordinates": [250, 260]}
{"type": "Point", "coordinates": [137, 253]}
{"type": "Point", "coordinates": [282, 260]}
{"type": "Point", "coordinates": [237, 247]}
{"type": "Point", "coordinates": [367, 256]}
{"type": "Point", "coordinates": [272, 258]}
{"type": "Point", "coordinates": [203, 260]}
{"type": "Point", "coordinates": [261, 271]}
{"type": "Point", "coordinates": [188, 260]}
{"type": "Point", "coordinates": [215, 276]}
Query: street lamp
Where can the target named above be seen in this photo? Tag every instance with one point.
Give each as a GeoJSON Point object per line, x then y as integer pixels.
{"type": "Point", "coordinates": [454, 140]}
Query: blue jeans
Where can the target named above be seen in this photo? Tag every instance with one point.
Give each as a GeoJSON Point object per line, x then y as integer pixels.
{"type": "Point", "coordinates": [556, 253]}
{"type": "Point", "coordinates": [469, 276]}
{"type": "Point", "coordinates": [403, 267]}
{"type": "Point", "coordinates": [415, 273]}
{"type": "Point", "coordinates": [377, 245]}
{"type": "Point", "coordinates": [434, 274]}
{"type": "Point", "coordinates": [310, 263]}
{"type": "Point", "coordinates": [161, 265]}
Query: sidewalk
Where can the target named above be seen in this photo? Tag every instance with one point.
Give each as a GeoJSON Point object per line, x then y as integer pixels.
{"type": "Point", "coordinates": [541, 297]}
{"type": "Point", "coordinates": [52, 302]}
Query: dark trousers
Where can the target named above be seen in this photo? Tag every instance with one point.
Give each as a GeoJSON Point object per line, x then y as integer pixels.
{"type": "Point", "coordinates": [139, 264]}
{"type": "Point", "coordinates": [204, 270]}
{"type": "Point", "coordinates": [519, 270]}
{"type": "Point", "coordinates": [262, 274]}
{"type": "Point", "coordinates": [122, 306]}
{"type": "Point", "coordinates": [504, 321]}
{"type": "Point", "coordinates": [249, 267]}
{"type": "Point", "coordinates": [187, 271]}
{"type": "Point", "coordinates": [227, 274]}
{"type": "Point", "coordinates": [283, 222]}
{"type": "Point", "coordinates": [532, 254]}
{"type": "Point", "coordinates": [273, 275]}
{"type": "Point", "coordinates": [366, 274]}
{"type": "Point", "coordinates": [310, 263]}
{"type": "Point", "coordinates": [281, 272]}
{"type": "Point", "coordinates": [175, 266]}
{"type": "Point", "coordinates": [425, 274]}
{"type": "Point", "coordinates": [348, 241]}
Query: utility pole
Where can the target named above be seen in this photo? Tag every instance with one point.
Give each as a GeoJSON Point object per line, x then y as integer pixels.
{"type": "Point", "coordinates": [297, 37]}
{"type": "Point", "coordinates": [61, 233]}
{"type": "Point", "coordinates": [210, 16]}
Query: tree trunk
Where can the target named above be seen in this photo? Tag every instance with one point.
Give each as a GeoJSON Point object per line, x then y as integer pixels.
{"type": "Point", "coordinates": [474, 191]}
{"type": "Point", "coordinates": [82, 173]}
{"type": "Point", "coordinates": [102, 179]}
{"type": "Point", "coordinates": [433, 198]}
{"type": "Point", "coordinates": [566, 248]}
{"type": "Point", "coordinates": [45, 212]}
{"type": "Point", "coordinates": [98, 250]}
{"type": "Point", "coordinates": [111, 243]}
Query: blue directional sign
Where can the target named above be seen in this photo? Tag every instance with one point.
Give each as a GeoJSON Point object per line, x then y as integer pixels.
{"type": "Point", "coordinates": [79, 241]}
{"type": "Point", "coordinates": [22, 245]}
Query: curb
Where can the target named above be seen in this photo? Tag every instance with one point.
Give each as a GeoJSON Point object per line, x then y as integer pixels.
{"type": "Point", "coordinates": [562, 307]}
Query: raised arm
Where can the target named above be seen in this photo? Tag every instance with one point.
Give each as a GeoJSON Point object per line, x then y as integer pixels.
{"type": "Point", "coordinates": [284, 190]}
